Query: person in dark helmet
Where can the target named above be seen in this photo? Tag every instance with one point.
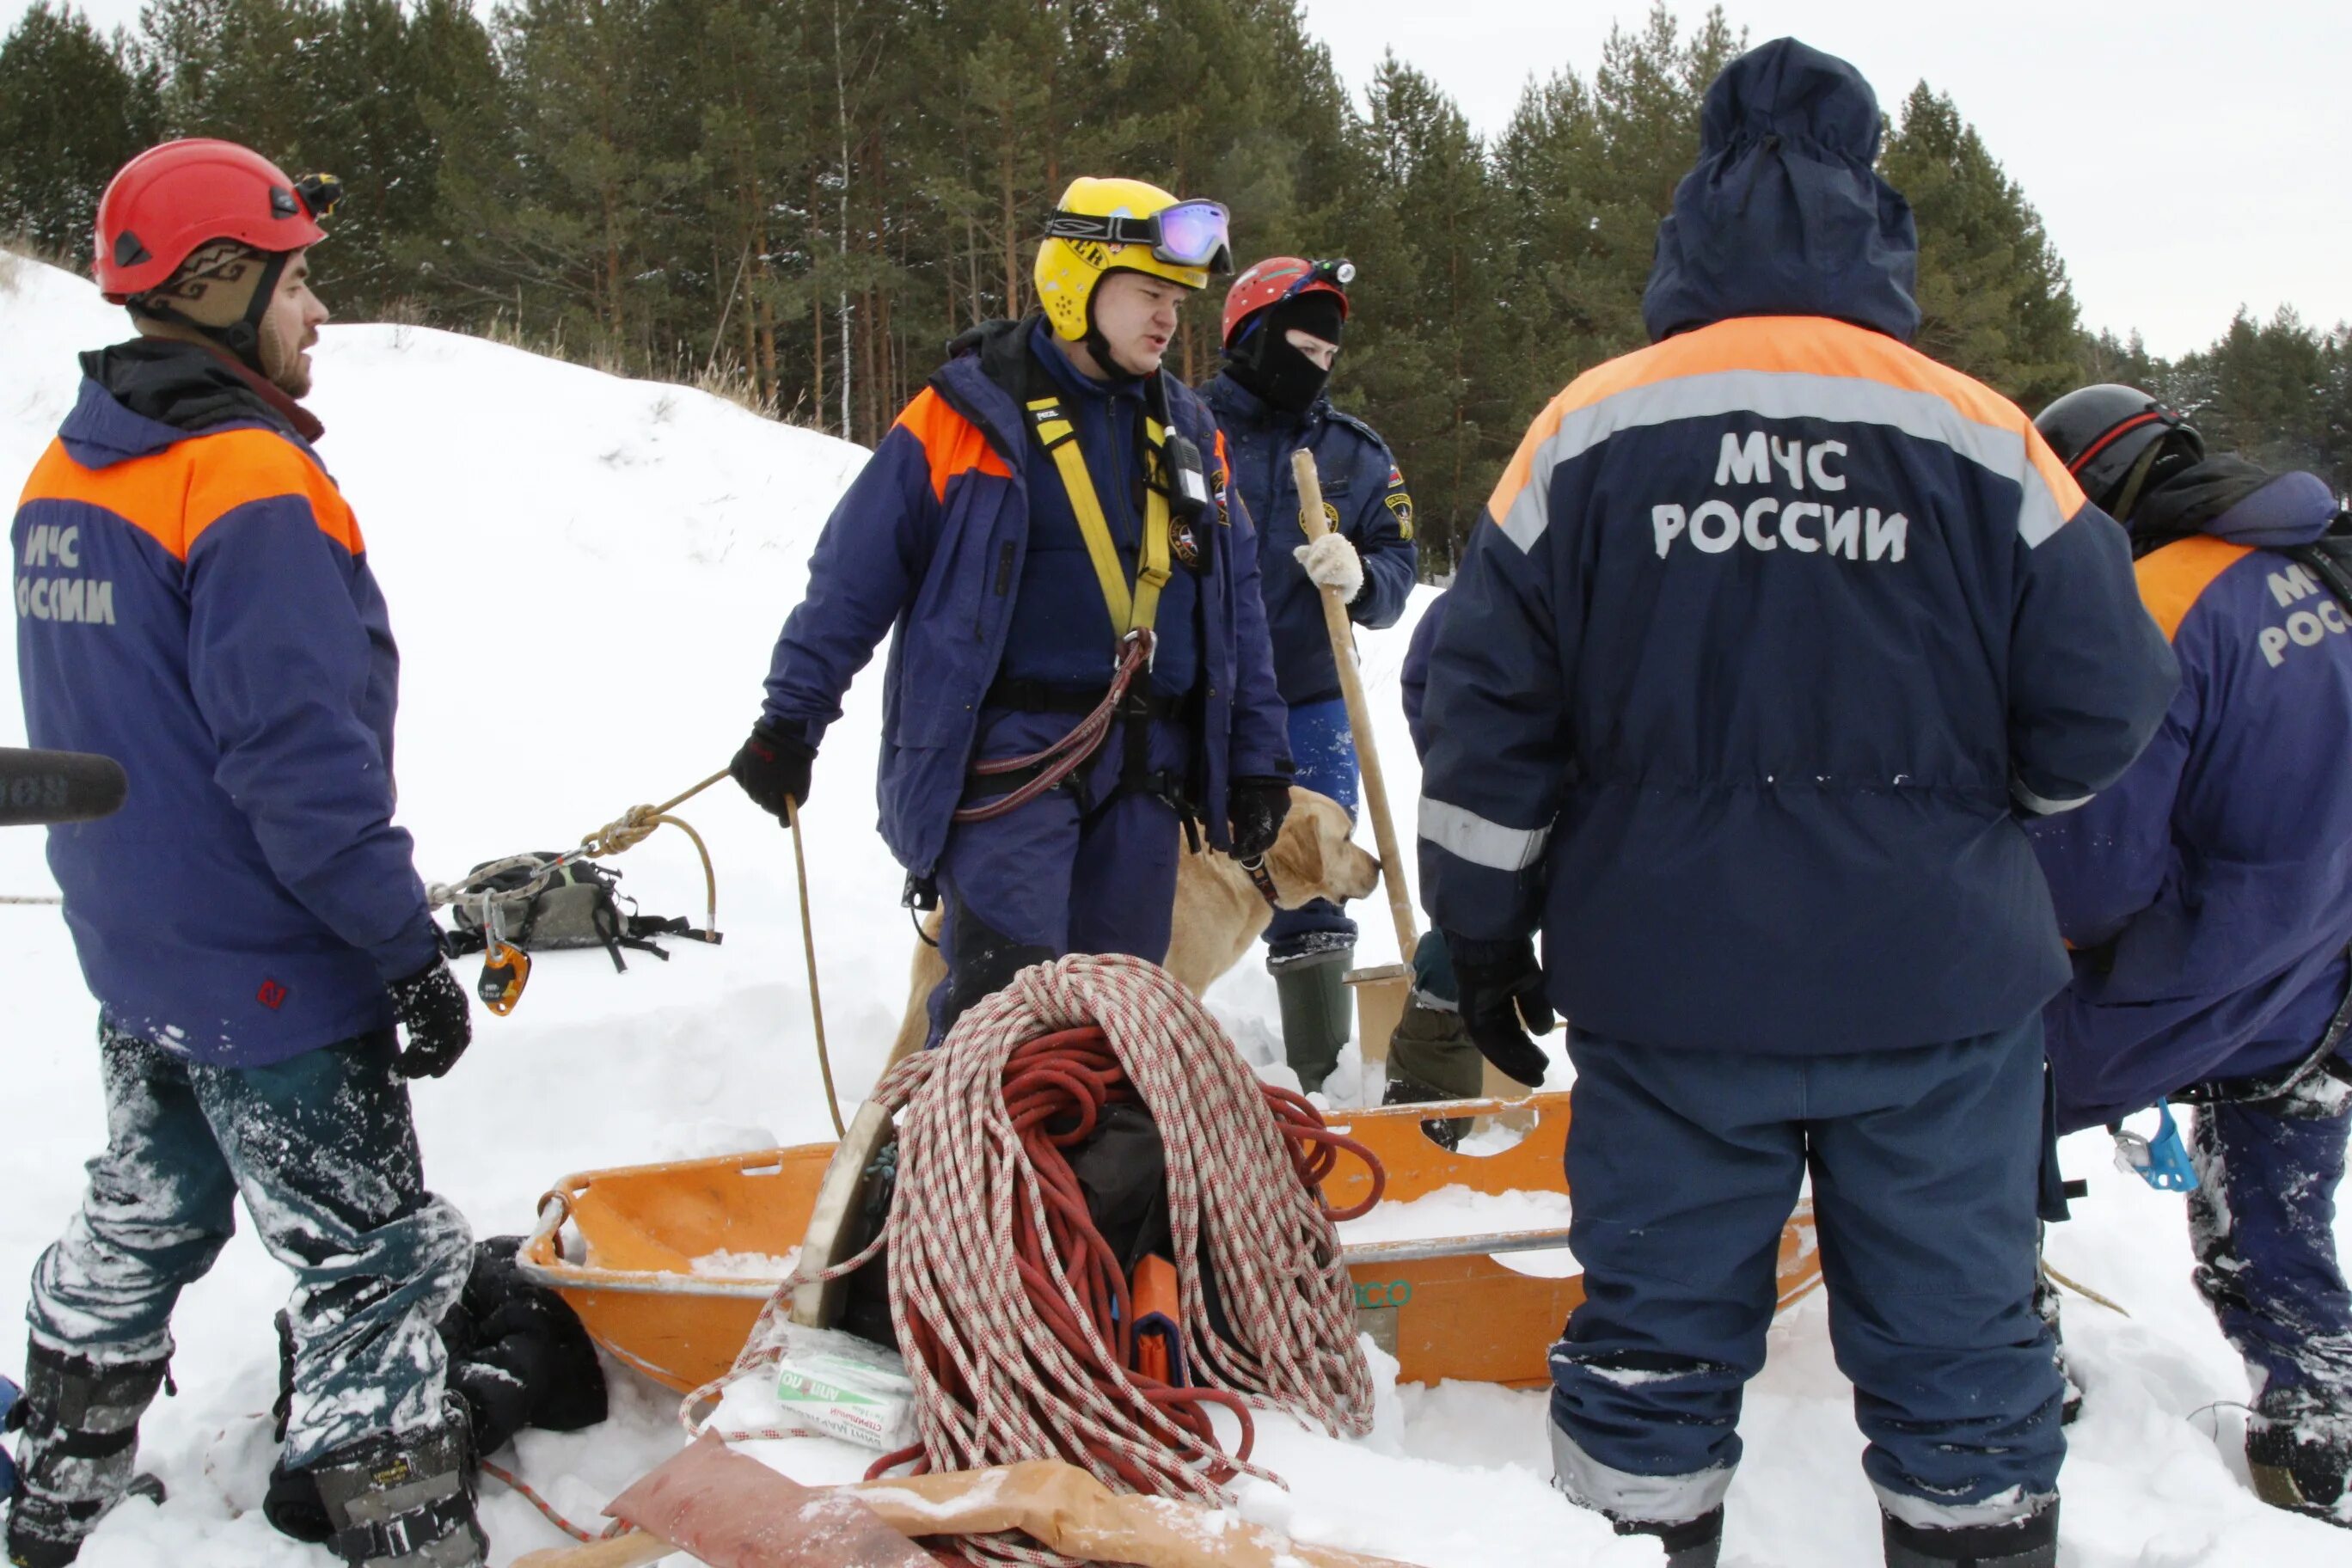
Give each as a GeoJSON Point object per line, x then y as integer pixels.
{"type": "Point", "coordinates": [2208, 895]}
{"type": "Point", "coordinates": [1049, 517]}
{"type": "Point", "coordinates": [195, 600]}
{"type": "Point", "coordinates": [1284, 320]}
{"type": "Point", "coordinates": [1774, 634]}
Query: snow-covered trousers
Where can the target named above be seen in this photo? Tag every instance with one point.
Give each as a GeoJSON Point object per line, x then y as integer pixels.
{"type": "Point", "coordinates": [323, 1148]}
{"type": "Point", "coordinates": [1090, 870]}
{"type": "Point", "coordinates": [1323, 748]}
{"type": "Point", "coordinates": [1683, 1166]}
{"type": "Point", "coordinates": [2262, 1221]}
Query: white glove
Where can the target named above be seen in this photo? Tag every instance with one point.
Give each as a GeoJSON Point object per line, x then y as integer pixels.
{"type": "Point", "coordinates": [1332, 563]}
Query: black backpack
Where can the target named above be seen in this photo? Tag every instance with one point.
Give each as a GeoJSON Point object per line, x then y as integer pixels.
{"type": "Point", "coordinates": [2330, 557]}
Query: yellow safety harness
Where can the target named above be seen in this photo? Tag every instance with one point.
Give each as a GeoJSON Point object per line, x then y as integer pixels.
{"type": "Point", "coordinates": [1130, 611]}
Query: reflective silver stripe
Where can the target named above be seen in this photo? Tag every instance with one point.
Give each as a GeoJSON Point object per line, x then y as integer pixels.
{"type": "Point", "coordinates": [1479, 841]}
{"type": "Point", "coordinates": [1651, 1499]}
{"type": "Point", "coordinates": [1526, 521]}
{"type": "Point", "coordinates": [2007, 1505]}
{"type": "Point", "coordinates": [2039, 807]}
{"type": "Point", "coordinates": [1787, 394]}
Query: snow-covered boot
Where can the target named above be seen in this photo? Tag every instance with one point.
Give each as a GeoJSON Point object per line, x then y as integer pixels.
{"type": "Point", "coordinates": [1690, 1543]}
{"type": "Point", "coordinates": [2300, 1453]}
{"type": "Point", "coordinates": [78, 1436]}
{"type": "Point", "coordinates": [2028, 1543]}
{"type": "Point", "coordinates": [403, 1501]}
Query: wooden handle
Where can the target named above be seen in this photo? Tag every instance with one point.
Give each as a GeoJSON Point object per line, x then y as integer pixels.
{"type": "Point", "coordinates": [630, 1551]}
{"type": "Point", "coordinates": [1359, 714]}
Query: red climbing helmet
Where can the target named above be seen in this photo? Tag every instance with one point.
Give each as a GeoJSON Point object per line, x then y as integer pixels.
{"type": "Point", "coordinates": [1276, 279]}
{"type": "Point", "coordinates": [173, 198]}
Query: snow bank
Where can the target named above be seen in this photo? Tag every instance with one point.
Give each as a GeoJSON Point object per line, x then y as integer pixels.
{"type": "Point", "coordinates": [585, 574]}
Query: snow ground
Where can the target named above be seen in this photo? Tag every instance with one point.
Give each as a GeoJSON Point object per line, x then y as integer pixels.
{"type": "Point", "coordinates": [586, 574]}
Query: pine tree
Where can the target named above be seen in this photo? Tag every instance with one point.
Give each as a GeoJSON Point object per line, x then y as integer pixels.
{"type": "Point", "coordinates": [73, 108]}
{"type": "Point", "coordinates": [1993, 296]}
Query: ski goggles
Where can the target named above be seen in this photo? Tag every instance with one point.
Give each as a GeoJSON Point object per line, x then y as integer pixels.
{"type": "Point", "coordinates": [1190, 234]}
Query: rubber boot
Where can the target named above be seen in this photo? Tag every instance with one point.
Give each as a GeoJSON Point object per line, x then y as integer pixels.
{"type": "Point", "coordinates": [1691, 1544]}
{"type": "Point", "coordinates": [403, 1501]}
{"type": "Point", "coordinates": [1313, 991]}
{"type": "Point", "coordinates": [78, 1425]}
{"type": "Point", "coordinates": [1431, 1058]}
{"type": "Point", "coordinates": [2028, 1543]}
{"type": "Point", "coordinates": [2299, 1453]}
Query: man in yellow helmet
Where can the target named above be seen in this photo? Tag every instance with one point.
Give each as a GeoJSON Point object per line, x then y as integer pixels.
{"type": "Point", "coordinates": [1049, 529]}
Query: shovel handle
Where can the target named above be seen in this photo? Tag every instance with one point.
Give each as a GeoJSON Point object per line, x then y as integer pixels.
{"type": "Point", "coordinates": [1313, 524]}
{"type": "Point", "coordinates": [630, 1551]}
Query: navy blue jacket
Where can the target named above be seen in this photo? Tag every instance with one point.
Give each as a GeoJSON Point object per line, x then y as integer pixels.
{"type": "Point", "coordinates": [1362, 487]}
{"type": "Point", "coordinates": [1773, 630]}
{"type": "Point", "coordinates": [196, 602]}
{"type": "Point", "coordinates": [931, 540]}
{"type": "Point", "coordinates": [2208, 891]}
{"type": "Point", "coordinates": [1060, 624]}
{"type": "Point", "coordinates": [1412, 676]}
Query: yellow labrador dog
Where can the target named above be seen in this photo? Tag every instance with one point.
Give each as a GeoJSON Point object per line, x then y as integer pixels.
{"type": "Point", "coordinates": [1219, 911]}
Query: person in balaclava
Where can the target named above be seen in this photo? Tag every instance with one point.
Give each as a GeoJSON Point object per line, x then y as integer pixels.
{"type": "Point", "coordinates": [1774, 636]}
{"type": "Point", "coordinates": [193, 599]}
{"type": "Point", "coordinates": [1284, 320]}
{"type": "Point", "coordinates": [1049, 527]}
{"type": "Point", "coordinates": [2208, 896]}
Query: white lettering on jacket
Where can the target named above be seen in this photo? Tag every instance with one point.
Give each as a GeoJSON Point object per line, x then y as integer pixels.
{"type": "Point", "coordinates": [1714, 525]}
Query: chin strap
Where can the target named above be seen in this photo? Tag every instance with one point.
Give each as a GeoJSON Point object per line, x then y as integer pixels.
{"type": "Point", "coordinates": [242, 337]}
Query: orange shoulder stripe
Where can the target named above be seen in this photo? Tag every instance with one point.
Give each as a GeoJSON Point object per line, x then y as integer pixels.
{"type": "Point", "coordinates": [173, 495]}
{"type": "Point", "coordinates": [1805, 345]}
{"type": "Point", "coordinates": [2174, 578]}
{"type": "Point", "coordinates": [951, 442]}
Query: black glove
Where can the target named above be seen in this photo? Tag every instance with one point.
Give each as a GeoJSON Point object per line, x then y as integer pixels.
{"type": "Point", "coordinates": [1256, 807]}
{"type": "Point", "coordinates": [1501, 985]}
{"type": "Point", "coordinates": [432, 1010]}
{"type": "Point", "coordinates": [772, 767]}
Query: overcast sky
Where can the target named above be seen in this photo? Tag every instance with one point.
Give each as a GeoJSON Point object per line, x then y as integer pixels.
{"type": "Point", "coordinates": [2188, 158]}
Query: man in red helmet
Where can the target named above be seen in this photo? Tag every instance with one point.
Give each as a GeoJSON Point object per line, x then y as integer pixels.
{"type": "Point", "coordinates": [193, 599]}
{"type": "Point", "coordinates": [1283, 323]}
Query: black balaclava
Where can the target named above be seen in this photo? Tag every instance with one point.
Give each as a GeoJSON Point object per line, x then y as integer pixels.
{"type": "Point", "coordinates": [1264, 361]}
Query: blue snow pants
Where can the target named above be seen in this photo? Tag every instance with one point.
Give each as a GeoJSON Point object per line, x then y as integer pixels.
{"type": "Point", "coordinates": [2262, 1221]}
{"type": "Point", "coordinates": [323, 1151]}
{"type": "Point", "coordinates": [1324, 749]}
{"type": "Point", "coordinates": [1684, 1165]}
{"type": "Point", "coordinates": [1091, 870]}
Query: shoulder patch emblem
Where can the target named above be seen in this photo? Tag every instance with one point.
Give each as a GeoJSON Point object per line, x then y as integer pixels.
{"type": "Point", "coordinates": [1331, 516]}
{"type": "Point", "coordinates": [1183, 543]}
{"type": "Point", "coordinates": [1401, 504]}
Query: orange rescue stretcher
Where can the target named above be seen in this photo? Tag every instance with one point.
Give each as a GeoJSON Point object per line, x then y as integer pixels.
{"type": "Point", "coordinates": [621, 1247]}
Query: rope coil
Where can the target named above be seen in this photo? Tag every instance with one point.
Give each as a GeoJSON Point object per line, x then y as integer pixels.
{"type": "Point", "coordinates": [1016, 1318]}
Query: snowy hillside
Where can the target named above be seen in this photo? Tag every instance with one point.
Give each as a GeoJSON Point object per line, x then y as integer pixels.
{"type": "Point", "coordinates": [585, 574]}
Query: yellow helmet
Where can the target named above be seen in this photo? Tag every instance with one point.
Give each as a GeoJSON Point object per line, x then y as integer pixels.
{"type": "Point", "coordinates": [1110, 225]}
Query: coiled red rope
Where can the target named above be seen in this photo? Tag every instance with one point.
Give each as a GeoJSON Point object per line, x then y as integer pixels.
{"type": "Point", "coordinates": [1017, 1320]}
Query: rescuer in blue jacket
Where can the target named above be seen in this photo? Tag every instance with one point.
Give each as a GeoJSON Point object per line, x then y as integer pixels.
{"type": "Point", "coordinates": [1049, 517]}
{"type": "Point", "coordinates": [2208, 895]}
{"type": "Point", "coordinates": [193, 599]}
{"type": "Point", "coordinates": [1774, 633]}
{"type": "Point", "coordinates": [1283, 323]}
